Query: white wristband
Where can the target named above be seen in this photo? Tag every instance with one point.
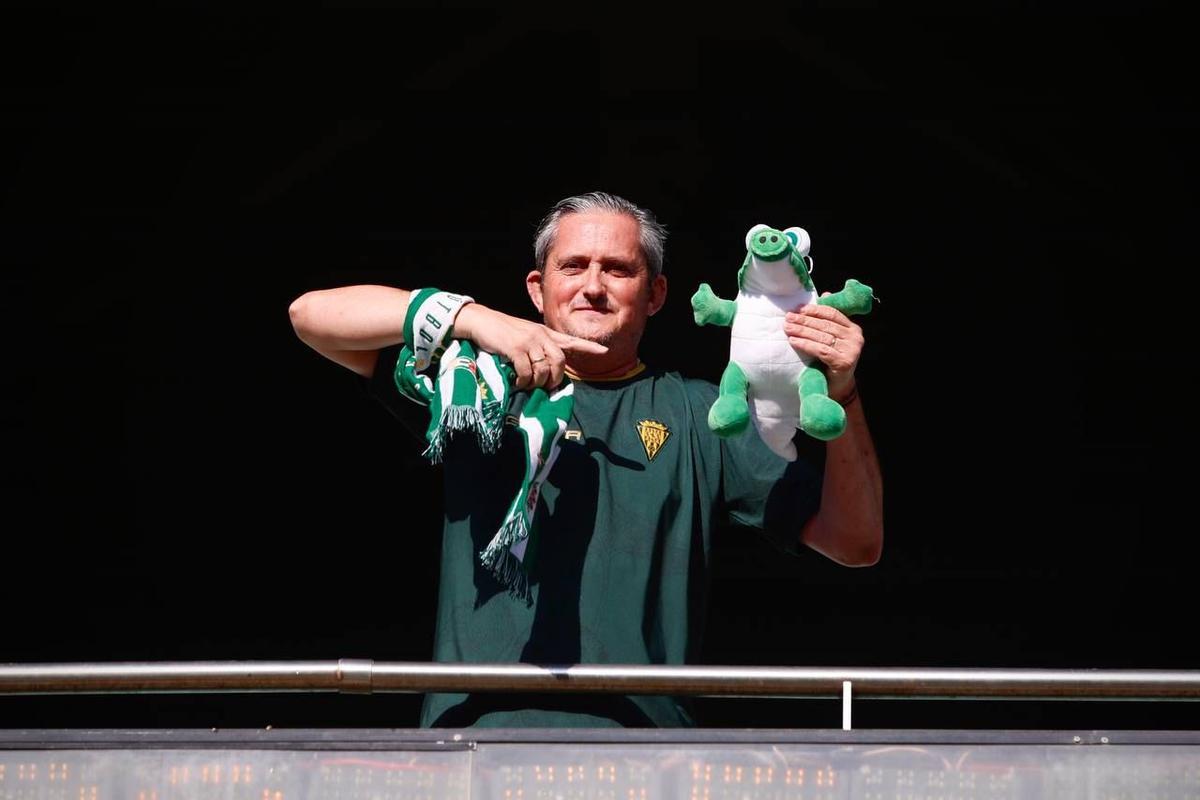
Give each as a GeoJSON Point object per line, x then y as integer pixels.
{"type": "Point", "coordinates": [432, 324]}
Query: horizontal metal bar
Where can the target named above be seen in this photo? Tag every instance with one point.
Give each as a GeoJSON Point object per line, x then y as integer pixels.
{"type": "Point", "coordinates": [392, 739]}
{"type": "Point", "coordinates": [365, 676]}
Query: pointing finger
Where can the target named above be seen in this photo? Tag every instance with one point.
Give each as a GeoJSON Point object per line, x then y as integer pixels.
{"type": "Point", "coordinates": [576, 345]}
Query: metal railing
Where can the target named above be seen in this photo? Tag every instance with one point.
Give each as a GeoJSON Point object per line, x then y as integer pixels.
{"type": "Point", "coordinates": [363, 676]}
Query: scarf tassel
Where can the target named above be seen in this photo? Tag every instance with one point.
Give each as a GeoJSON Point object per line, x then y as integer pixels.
{"type": "Point", "coordinates": [456, 420]}
{"type": "Point", "coordinates": [500, 561]}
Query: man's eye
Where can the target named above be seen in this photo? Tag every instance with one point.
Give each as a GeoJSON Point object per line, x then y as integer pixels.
{"type": "Point", "coordinates": [570, 266]}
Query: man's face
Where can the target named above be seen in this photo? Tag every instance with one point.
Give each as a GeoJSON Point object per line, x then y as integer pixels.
{"type": "Point", "coordinates": [596, 283]}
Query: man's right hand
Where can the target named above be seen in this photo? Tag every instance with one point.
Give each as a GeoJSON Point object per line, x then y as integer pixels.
{"type": "Point", "coordinates": [537, 353]}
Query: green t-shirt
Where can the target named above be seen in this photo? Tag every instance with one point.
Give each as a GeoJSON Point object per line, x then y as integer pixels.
{"type": "Point", "coordinates": [625, 531]}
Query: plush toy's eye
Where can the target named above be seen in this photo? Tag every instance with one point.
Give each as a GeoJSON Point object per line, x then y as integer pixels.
{"type": "Point", "coordinates": [750, 233]}
{"type": "Point", "coordinates": [800, 239]}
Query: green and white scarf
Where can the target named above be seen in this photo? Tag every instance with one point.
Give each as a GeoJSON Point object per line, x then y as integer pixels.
{"type": "Point", "coordinates": [470, 391]}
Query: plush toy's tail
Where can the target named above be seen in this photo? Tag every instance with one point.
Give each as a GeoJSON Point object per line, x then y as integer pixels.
{"type": "Point", "coordinates": [776, 430]}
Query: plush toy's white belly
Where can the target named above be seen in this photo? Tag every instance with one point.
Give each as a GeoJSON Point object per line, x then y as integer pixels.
{"type": "Point", "coordinates": [760, 347]}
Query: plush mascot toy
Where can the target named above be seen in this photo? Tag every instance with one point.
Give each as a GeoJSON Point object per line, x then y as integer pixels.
{"type": "Point", "coordinates": [766, 380]}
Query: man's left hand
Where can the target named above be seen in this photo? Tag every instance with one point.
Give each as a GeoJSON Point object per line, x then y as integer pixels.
{"type": "Point", "coordinates": [826, 334]}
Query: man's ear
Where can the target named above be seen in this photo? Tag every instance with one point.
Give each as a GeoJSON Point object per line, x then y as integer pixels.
{"type": "Point", "coordinates": [658, 294]}
{"type": "Point", "coordinates": [533, 285]}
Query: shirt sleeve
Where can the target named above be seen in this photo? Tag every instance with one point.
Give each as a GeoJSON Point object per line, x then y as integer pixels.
{"type": "Point", "coordinates": [382, 386]}
{"type": "Point", "coordinates": [763, 491]}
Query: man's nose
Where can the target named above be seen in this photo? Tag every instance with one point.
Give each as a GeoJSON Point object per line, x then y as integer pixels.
{"type": "Point", "coordinates": [594, 285]}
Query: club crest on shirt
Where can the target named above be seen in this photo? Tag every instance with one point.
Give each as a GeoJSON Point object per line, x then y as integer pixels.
{"type": "Point", "coordinates": [653, 435]}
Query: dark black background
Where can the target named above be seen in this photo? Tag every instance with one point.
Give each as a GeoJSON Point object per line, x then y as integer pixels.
{"type": "Point", "coordinates": [183, 479]}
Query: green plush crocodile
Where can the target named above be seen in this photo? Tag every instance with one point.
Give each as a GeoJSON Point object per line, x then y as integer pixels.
{"type": "Point", "coordinates": [767, 381]}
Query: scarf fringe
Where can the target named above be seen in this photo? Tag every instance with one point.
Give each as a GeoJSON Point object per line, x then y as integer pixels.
{"type": "Point", "coordinates": [503, 565]}
{"type": "Point", "coordinates": [455, 420]}
{"type": "Point", "coordinates": [499, 560]}
{"type": "Point", "coordinates": [492, 430]}
{"type": "Point", "coordinates": [512, 531]}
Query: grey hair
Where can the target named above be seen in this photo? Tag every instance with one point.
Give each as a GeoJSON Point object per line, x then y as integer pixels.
{"type": "Point", "coordinates": [651, 233]}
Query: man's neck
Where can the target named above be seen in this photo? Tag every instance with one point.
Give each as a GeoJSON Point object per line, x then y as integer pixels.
{"type": "Point", "coordinates": [587, 370]}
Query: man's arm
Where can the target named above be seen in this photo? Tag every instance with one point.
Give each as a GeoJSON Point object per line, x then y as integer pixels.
{"type": "Point", "coordinates": [351, 324]}
{"type": "Point", "coordinates": [848, 528]}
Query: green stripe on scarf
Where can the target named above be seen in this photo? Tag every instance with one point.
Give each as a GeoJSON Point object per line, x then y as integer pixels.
{"type": "Point", "coordinates": [470, 391]}
{"type": "Point", "coordinates": [542, 422]}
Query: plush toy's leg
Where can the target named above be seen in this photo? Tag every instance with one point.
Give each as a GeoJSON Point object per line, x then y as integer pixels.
{"type": "Point", "coordinates": [730, 414]}
{"type": "Point", "coordinates": [820, 417]}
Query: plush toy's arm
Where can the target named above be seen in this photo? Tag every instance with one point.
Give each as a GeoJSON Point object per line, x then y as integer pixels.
{"type": "Point", "coordinates": [708, 309]}
{"type": "Point", "coordinates": [854, 299]}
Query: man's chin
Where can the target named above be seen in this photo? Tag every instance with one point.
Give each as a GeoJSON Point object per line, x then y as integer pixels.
{"type": "Point", "coordinates": [599, 336]}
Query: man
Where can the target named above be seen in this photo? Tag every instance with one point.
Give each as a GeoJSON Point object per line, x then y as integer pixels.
{"type": "Point", "coordinates": [626, 514]}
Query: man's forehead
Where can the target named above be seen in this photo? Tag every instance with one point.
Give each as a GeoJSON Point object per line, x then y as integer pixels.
{"type": "Point", "coordinates": [599, 236]}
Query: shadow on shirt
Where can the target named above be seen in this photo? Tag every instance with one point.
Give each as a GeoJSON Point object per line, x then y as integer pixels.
{"type": "Point", "coordinates": [556, 575]}
{"type": "Point", "coordinates": [557, 561]}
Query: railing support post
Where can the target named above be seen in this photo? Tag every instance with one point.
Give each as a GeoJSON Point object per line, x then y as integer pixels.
{"type": "Point", "coordinates": [845, 705]}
